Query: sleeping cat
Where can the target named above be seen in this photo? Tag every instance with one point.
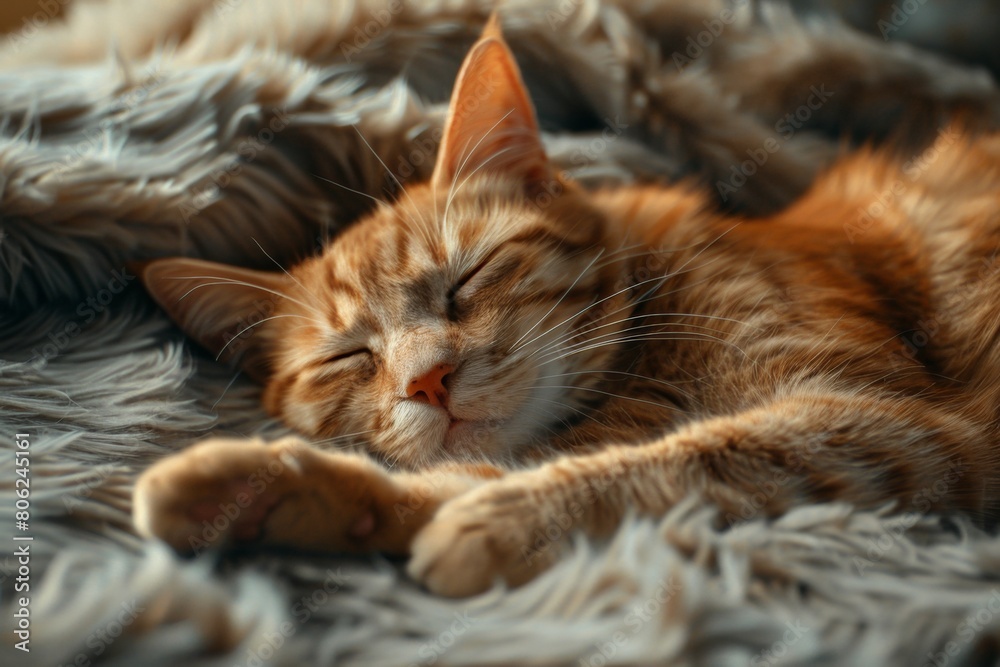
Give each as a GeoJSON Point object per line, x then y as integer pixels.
{"type": "Point", "coordinates": [523, 359]}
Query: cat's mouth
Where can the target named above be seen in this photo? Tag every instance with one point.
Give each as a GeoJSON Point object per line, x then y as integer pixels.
{"type": "Point", "coordinates": [458, 429]}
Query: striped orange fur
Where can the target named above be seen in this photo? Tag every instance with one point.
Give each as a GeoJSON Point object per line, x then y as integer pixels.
{"type": "Point", "coordinates": [526, 354]}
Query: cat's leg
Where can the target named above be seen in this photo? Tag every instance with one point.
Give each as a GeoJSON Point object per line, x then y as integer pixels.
{"type": "Point", "coordinates": [290, 494]}
{"type": "Point", "coordinates": [759, 462]}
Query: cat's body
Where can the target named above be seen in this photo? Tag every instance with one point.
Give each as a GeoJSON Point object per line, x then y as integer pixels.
{"type": "Point", "coordinates": [542, 359]}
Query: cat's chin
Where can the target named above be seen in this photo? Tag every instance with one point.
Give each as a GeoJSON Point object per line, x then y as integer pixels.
{"type": "Point", "coordinates": [462, 435]}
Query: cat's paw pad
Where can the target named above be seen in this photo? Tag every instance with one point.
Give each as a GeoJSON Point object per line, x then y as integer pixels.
{"type": "Point", "coordinates": [478, 540]}
{"type": "Point", "coordinates": [216, 491]}
{"type": "Point", "coordinates": [282, 494]}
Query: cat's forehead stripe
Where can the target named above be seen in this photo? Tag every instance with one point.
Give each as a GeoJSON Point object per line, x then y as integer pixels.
{"type": "Point", "coordinates": [402, 241]}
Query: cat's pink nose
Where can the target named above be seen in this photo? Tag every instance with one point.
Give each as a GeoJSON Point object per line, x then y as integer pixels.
{"type": "Point", "coordinates": [430, 387]}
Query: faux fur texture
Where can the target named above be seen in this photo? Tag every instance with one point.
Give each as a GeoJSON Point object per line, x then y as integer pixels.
{"type": "Point", "coordinates": [148, 129]}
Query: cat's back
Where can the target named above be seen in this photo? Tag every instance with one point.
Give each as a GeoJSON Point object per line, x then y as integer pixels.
{"type": "Point", "coordinates": [927, 227]}
{"type": "Point", "coordinates": [884, 274]}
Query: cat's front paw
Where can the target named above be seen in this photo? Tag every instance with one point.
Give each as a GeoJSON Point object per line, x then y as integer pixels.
{"type": "Point", "coordinates": [494, 534]}
{"type": "Point", "coordinates": [284, 493]}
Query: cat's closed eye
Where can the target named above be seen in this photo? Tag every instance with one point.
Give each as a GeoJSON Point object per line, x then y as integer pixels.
{"type": "Point", "coordinates": [462, 283]}
{"type": "Point", "coordinates": [474, 271]}
{"type": "Point", "coordinates": [345, 356]}
{"type": "Point", "coordinates": [497, 264]}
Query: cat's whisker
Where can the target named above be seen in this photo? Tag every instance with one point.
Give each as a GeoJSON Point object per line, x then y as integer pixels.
{"type": "Point", "coordinates": [378, 201]}
{"type": "Point", "coordinates": [653, 337]}
{"type": "Point", "coordinates": [467, 153]}
{"type": "Point", "coordinates": [285, 271]}
{"type": "Point", "coordinates": [454, 187]}
{"type": "Point", "coordinates": [420, 226]}
{"type": "Point", "coordinates": [220, 280]}
{"type": "Point", "coordinates": [594, 304]}
{"type": "Point", "coordinates": [226, 390]}
{"type": "Point", "coordinates": [621, 396]}
{"type": "Point", "coordinates": [899, 373]}
{"type": "Point", "coordinates": [574, 316]}
{"type": "Point", "coordinates": [643, 250]}
{"type": "Point", "coordinates": [256, 324]}
{"type": "Point", "coordinates": [388, 171]}
{"type": "Point", "coordinates": [663, 328]}
{"type": "Point", "coordinates": [556, 304]}
{"type": "Point", "coordinates": [339, 438]}
{"type": "Point", "coordinates": [574, 334]}
{"type": "Point", "coordinates": [666, 325]}
{"type": "Point", "coordinates": [617, 255]}
{"type": "Point", "coordinates": [651, 291]}
{"type": "Point", "coordinates": [632, 304]}
{"type": "Point", "coordinates": [563, 404]}
{"type": "Point", "coordinates": [646, 378]}
{"type": "Point", "coordinates": [690, 285]}
{"type": "Point", "coordinates": [656, 327]}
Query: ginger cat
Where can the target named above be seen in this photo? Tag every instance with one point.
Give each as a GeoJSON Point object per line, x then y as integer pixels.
{"type": "Point", "coordinates": [534, 360]}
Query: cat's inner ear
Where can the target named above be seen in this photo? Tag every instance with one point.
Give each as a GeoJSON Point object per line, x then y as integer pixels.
{"type": "Point", "coordinates": [491, 126]}
{"type": "Point", "coordinates": [224, 308]}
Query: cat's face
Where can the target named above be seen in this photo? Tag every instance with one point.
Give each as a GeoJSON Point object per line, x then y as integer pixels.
{"type": "Point", "coordinates": [446, 330]}
{"type": "Point", "coordinates": [457, 322]}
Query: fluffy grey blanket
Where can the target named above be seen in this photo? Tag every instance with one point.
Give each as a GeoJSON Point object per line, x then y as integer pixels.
{"type": "Point", "coordinates": [137, 130]}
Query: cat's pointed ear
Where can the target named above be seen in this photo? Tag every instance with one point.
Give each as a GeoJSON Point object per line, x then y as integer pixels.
{"type": "Point", "coordinates": [491, 124]}
{"type": "Point", "coordinates": [222, 307]}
